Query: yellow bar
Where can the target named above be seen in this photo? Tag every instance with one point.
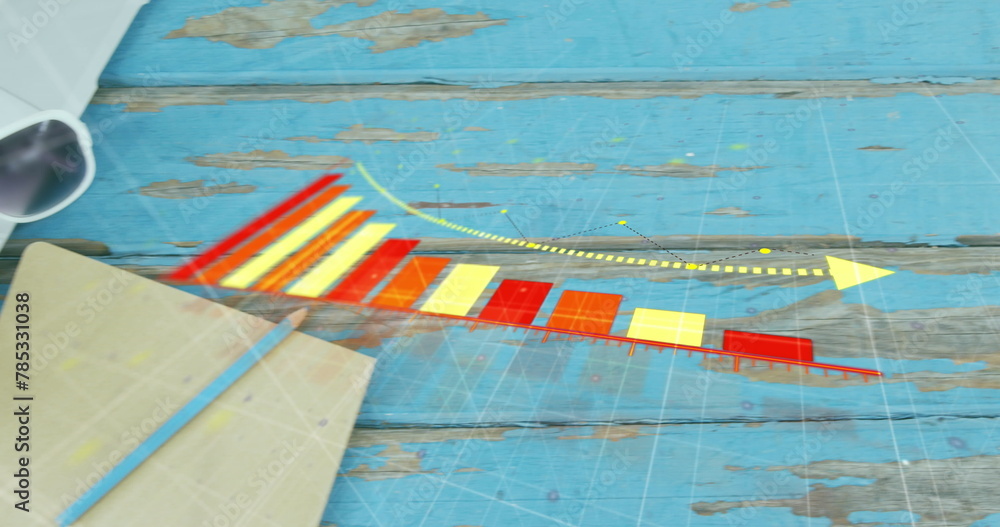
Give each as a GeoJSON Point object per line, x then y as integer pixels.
{"type": "Point", "coordinates": [743, 270]}
{"type": "Point", "coordinates": [642, 261]}
{"type": "Point", "coordinates": [729, 268]}
{"type": "Point", "coordinates": [553, 249]}
{"type": "Point", "coordinates": [772, 270]}
{"type": "Point", "coordinates": [611, 257]}
{"type": "Point", "coordinates": [664, 264]}
{"type": "Point", "coordinates": [619, 259]}
{"type": "Point", "coordinates": [803, 272]}
{"type": "Point", "coordinates": [599, 256]}
{"type": "Point", "coordinates": [544, 248]}
{"type": "Point", "coordinates": [756, 270]}
{"type": "Point", "coordinates": [315, 282]}
{"type": "Point", "coordinates": [521, 243]}
{"type": "Point", "coordinates": [252, 270]}
{"type": "Point", "coordinates": [630, 260]}
{"type": "Point", "coordinates": [561, 251]}
{"type": "Point", "coordinates": [653, 263]}
{"type": "Point", "coordinates": [677, 265]}
{"type": "Point", "coordinates": [675, 327]}
{"type": "Point", "coordinates": [460, 289]}
{"type": "Point", "coordinates": [786, 271]}
{"type": "Point", "coordinates": [589, 255]}
{"type": "Point", "coordinates": [715, 267]}
{"type": "Point", "coordinates": [818, 272]}
{"type": "Point", "coordinates": [702, 267]}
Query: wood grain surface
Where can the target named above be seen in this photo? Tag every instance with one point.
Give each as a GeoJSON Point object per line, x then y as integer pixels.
{"type": "Point", "coordinates": [865, 131]}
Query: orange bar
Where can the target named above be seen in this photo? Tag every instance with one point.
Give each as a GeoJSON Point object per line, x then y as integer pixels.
{"type": "Point", "coordinates": [587, 312]}
{"type": "Point", "coordinates": [238, 258]}
{"type": "Point", "coordinates": [404, 289]}
{"type": "Point", "coordinates": [282, 275]}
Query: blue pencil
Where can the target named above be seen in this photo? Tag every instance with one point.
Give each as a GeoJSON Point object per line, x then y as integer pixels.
{"type": "Point", "coordinates": [181, 418]}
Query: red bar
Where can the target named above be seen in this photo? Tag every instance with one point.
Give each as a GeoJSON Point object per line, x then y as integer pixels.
{"type": "Point", "coordinates": [770, 345]}
{"type": "Point", "coordinates": [191, 268]}
{"type": "Point", "coordinates": [371, 271]}
{"type": "Point", "coordinates": [405, 288]}
{"type": "Point", "coordinates": [588, 312]}
{"type": "Point", "coordinates": [516, 301]}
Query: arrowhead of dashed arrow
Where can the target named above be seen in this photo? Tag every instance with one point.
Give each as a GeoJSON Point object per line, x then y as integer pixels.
{"type": "Point", "coordinates": [846, 273]}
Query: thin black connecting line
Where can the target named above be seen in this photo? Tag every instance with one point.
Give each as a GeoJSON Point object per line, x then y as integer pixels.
{"type": "Point", "coordinates": [654, 243]}
{"type": "Point", "coordinates": [796, 252]}
{"type": "Point", "coordinates": [525, 238]}
{"type": "Point", "coordinates": [754, 251]}
{"type": "Point", "coordinates": [581, 232]}
{"type": "Point", "coordinates": [728, 258]}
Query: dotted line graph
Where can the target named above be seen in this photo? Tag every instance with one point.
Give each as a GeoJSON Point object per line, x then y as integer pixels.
{"type": "Point", "coordinates": [844, 272]}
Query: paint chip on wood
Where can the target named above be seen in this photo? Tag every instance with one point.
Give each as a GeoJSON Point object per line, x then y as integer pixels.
{"type": "Point", "coordinates": [177, 189]}
{"type": "Point", "coordinates": [260, 27]}
{"type": "Point", "coordinates": [730, 211]}
{"type": "Point", "coordinates": [264, 27]}
{"type": "Point", "coordinates": [522, 169]}
{"type": "Point", "coordinates": [186, 245]}
{"type": "Point", "coordinates": [270, 159]}
{"type": "Point", "coordinates": [609, 433]}
{"type": "Point", "coordinates": [746, 7]}
{"type": "Point", "coordinates": [878, 148]}
{"type": "Point", "coordinates": [681, 170]}
{"type": "Point", "coordinates": [447, 205]}
{"type": "Point", "coordinates": [360, 133]}
{"type": "Point", "coordinates": [918, 486]}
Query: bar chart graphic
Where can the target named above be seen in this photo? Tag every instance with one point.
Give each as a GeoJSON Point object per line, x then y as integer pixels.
{"type": "Point", "coordinates": [315, 245]}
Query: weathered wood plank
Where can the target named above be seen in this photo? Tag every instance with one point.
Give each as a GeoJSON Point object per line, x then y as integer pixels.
{"type": "Point", "coordinates": [153, 99]}
{"type": "Point", "coordinates": [931, 327]}
{"type": "Point", "coordinates": [761, 166]}
{"type": "Point", "coordinates": [451, 41]}
{"type": "Point", "coordinates": [933, 472]}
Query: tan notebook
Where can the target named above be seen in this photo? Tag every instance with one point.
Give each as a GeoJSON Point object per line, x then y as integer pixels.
{"type": "Point", "coordinates": [112, 355]}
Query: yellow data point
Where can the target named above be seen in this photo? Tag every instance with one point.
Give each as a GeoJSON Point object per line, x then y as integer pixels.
{"type": "Point", "coordinates": [623, 222]}
{"type": "Point", "coordinates": [530, 244]}
{"type": "Point", "coordinates": [692, 266]}
{"type": "Point", "coordinates": [848, 274]}
{"type": "Point", "coordinates": [504, 211]}
{"type": "Point", "coordinates": [437, 185]}
{"type": "Point", "coordinates": [765, 250]}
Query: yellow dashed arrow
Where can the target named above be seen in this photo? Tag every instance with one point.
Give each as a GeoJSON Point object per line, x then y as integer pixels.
{"type": "Point", "coordinates": [844, 272]}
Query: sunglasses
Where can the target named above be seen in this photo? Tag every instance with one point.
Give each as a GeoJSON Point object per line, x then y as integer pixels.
{"type": "Point", "coordinates": [46, 163]}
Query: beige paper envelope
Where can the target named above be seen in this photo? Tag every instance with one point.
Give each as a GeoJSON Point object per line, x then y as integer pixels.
{"type": "Point", "coordinates": [113, 355]}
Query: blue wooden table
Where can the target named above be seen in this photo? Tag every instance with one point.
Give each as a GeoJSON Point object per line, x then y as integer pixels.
{"type": "Point", "coordinates": [860, 130]}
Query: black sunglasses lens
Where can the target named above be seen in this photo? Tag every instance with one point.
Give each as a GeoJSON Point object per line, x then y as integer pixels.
{"type": "Point", "coordinates": [40, 166]}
